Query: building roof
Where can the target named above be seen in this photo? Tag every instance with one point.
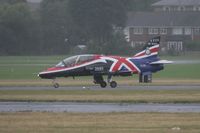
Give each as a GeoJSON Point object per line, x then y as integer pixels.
{"type": "Point", "coordinates": [34, 1]}
{"type": "Point", "coordinates": [163, 19]}
{"type": "Point", "coordinates": [177, 3]}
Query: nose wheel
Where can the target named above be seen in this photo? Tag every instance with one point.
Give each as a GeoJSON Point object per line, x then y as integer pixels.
{"type": "Point", "coordinates": [55, 85]}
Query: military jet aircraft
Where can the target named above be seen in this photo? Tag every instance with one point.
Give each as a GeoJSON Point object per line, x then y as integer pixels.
{"type": "Point", "coordinates": [143, 63]}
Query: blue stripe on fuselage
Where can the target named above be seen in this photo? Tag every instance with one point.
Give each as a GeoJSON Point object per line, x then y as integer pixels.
{"type": "Point", "coordinates": [145, 66]}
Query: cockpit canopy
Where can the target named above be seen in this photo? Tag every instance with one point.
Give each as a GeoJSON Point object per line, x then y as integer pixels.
{"type": "Point", "coordinates": [75, 60]}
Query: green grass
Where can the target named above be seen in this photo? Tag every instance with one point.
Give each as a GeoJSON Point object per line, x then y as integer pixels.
{"type": "Point", "coordinates": [27, 67]}
{"type": "Point", "coordinates": [184, 56]}
{"type": "Point", "coordinates": [180, 71]}
{"type": "Point", "coordinates": [47, 122]}
{"type": "Point", "coordinates": [103, 96]}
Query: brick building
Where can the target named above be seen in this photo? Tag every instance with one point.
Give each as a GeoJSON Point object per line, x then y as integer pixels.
{"type": "Point", "coordinates": [177, 25]}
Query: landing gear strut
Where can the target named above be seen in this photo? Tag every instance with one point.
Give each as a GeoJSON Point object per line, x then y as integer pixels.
{"type": "Point", "coordinates": [113, 84]}
{"type": "Point", "coordinates": [55, 85]}
{"type": "Point", "coordinates": [98, 79]}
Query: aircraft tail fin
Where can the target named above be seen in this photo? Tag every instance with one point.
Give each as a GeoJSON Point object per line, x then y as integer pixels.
{"type": "Point", "coordinates": [150, 49]}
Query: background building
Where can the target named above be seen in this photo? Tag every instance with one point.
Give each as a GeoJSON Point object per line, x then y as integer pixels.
{"type": "Point", "coordinates": [177, 5]}
{"type": "Point", "coordinates": [177, 25]}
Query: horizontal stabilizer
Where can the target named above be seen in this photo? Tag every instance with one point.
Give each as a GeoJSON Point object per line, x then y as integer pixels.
{"type": "Point", "coordinates": [161, 62]}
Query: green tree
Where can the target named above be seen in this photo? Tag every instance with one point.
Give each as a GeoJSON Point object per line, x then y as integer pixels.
{"type": "Point", "coordinates": [192, 46]}
{"type": "Point", "coordinates": [118, 45]}
{"type": "Point", "coordinates": [67, 23]}
{"type": "Point", "coordinates": [96, 20]}
{"type": "Point", "coordinates": [55, 23]}
{"type": "Point", "coordinates": [15, 29]}
{"type": "Point", "coordinates": [11, 1]}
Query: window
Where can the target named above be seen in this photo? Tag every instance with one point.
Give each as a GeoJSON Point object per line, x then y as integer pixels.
{"type": "Point", "coordinates": [60, 64]}
{"type": "Point", "coordinates": [195, 8]}
{"type": "Point", "coordinates": [196, 31]}
{"type": "Point", "coordinates": [166, 8]}
{"type": "Point", "coordinates": [138, 31]}
{"type": "Point", "coordinates": [84, 58]}
{"type": "Point", "coordinates": [182, 8]}
{"type": "Point", "coordinates": [163, 31]}
{"type": "Point", "coordinates": [126, 33]}
{"type": "Point", "coordinates": [177, 31]}
{"type": "Point", "coordinates": [179, 8]}
{"type": "Point", "coordinates": [175, 45]}
{"type": "Point", "coordinates": [188, 31]}
{"type": "Point", "coordinates": [137, 43]}
{"type": "Point", "coordinates": [70, 61]}
{"type": "Point", "coordinates": [153, 31]}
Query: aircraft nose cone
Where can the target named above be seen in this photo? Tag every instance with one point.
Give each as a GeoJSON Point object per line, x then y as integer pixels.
{"type": "Point", "coordinates": [41, 75]}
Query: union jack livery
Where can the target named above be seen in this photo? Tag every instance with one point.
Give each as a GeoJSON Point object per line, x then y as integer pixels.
{"type": "Point", "coordinates": [143, 63]}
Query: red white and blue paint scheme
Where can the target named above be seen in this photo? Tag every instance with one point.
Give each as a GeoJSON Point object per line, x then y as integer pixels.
{"type": "Point", "coordinates": [146, 61]}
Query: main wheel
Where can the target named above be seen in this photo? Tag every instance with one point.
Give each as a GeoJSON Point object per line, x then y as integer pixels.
{"type": "Point", "coordinates": [56, 85]}
{"type": "Point", "coordinates": [103, 84]}
{"type": "Point", "coordinates": [113, 84]}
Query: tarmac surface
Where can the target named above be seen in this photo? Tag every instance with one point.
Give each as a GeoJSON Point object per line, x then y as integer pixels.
{"type": "Point", "coordinates": [120, 87]}
{"type": "Point", "coordinates": [95, 107]}
{"type": "Point", "coordinates": [99, 107]}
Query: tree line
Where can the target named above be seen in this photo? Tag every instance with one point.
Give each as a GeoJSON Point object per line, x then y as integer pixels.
{"type": "Point", "coordinates": [58, 26]}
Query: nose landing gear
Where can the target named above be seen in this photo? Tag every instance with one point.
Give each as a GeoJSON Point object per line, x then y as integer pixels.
{"type": "Point", "coordinates": [55, 85]}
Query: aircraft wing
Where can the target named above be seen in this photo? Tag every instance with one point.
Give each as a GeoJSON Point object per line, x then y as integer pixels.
{"type": "Point", "coordinates": [161, 62]}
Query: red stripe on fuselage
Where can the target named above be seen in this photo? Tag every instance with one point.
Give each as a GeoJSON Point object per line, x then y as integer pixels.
{"type": "Point", "coordinates": [55, 68]}
{"type": "Point", "coordinates": [123, 61]}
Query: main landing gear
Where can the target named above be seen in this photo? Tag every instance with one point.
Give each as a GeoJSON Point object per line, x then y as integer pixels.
{"type": "Point", "coordinates": [98, 79]}
{"type": "Point", "coordinates": [113, 84]}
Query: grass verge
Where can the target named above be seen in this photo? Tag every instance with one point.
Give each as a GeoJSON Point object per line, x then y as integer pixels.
{"type": "Point", "coordinates": [45, 122]}
{"type": "Point", "coordinates": [106, 96]}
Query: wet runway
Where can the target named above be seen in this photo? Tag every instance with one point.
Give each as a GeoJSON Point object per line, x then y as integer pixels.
{"type": "Point", "coordinates": [95, 107]}
{"type": "Point", "coordinates": [120, 87]}
{"type": "Point", "coordinates": [99, 107]}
